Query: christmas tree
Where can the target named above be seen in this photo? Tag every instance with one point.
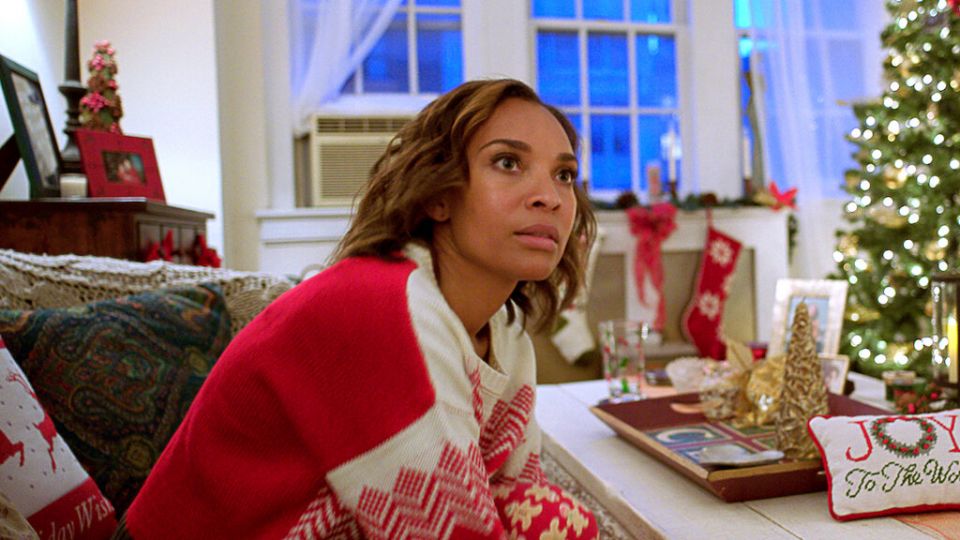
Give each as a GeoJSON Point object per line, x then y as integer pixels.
{"type": "Point", "coordinates": [905, 213]}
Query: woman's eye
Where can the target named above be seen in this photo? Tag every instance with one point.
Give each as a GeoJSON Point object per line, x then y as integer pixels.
{"type": "Point", "coordinates": [567, 176]}
{"type": "Point", "coordinates": [508, 163]}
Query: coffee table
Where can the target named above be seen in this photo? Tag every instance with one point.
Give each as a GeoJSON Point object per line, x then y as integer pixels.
{"type": "Point", "coordinates": [651, 500]}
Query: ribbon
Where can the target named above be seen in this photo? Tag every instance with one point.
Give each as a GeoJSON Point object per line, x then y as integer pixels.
{"type": "Point", "coordinates": [162, 250]}
{"type": "Point", "coordinates": [651, 226]}
{"type": "Point", "coordinates": [204, 256]}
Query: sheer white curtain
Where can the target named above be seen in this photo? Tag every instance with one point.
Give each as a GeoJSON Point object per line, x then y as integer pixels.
{"type": "Point", "coordinates": [330, 39]}
{"type": "Point", "coordinates": [803, 140]}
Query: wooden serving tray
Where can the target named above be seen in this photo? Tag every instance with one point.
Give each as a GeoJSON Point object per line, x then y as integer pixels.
{"type": "Point", "coordinates": [665, 429]}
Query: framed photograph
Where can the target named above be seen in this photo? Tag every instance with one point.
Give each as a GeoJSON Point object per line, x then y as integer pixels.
{"type": "Point", "coordinates": [825, 301]}
{"type": "Point", "coordinates": [835, 370]}
{"type": "Point", "coordinates": [119, 165]}
{"type": "Point", "coordinates": [36, 140]}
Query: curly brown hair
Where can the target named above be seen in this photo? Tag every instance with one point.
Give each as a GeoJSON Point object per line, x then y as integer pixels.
{"type": "Point", "coordinates": [427, 160]}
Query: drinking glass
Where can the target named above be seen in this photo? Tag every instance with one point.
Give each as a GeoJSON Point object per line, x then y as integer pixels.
{"type": "Point", "coordinates": [621, 342]}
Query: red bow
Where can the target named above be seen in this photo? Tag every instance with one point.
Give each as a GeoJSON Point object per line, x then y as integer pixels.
{"type": "Point", "coordinates": [955, 5]}
{"type": "Point", "coordinates": [787, 198]}
{"type": "Point", "coordinates": [162, 250]}
{"type": "Point", "coordinates": [651, 226]}
{"type": "Point", "coordinates": [204, 256]}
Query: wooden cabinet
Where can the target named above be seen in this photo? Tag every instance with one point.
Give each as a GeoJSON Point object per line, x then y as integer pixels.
{"type": "Point", "coordinates": [122, 228]}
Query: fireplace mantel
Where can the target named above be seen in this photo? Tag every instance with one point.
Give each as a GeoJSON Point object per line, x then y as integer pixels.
{"type": "Point", "coordinates": [761, 230]}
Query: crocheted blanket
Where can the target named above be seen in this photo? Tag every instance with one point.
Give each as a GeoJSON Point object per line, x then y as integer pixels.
{"type": "Point", "coordinates": [30, 281]}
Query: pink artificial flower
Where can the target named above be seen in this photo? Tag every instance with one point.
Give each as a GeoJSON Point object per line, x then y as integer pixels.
{"type": "Point", "coordinates": [110, 51]}
{"type": "Point", "coordinates": [102, 44]}
{"type": "Point", "coordinates": [112, 84]}
{"type": "Point", "coordinates": [94, 102]}
{"type": "Point", "coordinates": [97, 62]}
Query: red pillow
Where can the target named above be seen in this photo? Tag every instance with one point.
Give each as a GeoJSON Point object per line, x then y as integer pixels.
{"type": "Point", "coordinates": [543, 510]}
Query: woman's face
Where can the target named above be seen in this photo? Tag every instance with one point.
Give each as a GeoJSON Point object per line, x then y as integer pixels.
{"type": "Point", "coordinates": [512, 221]}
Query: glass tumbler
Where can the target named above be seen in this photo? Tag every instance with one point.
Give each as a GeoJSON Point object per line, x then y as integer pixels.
{"type": "Point", "coordinates": [621, 343]}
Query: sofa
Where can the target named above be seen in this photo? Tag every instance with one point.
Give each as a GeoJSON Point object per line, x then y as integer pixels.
{"type": "Point", "coordinates": [108, 355]}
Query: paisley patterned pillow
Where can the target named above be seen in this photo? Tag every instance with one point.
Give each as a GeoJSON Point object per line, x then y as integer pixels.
{"type": "Point", "coordinates": [117, 376]}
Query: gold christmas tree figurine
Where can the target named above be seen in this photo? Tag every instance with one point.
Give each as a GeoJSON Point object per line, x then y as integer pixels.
{"type": "Point", "coordinates": [804, 393]}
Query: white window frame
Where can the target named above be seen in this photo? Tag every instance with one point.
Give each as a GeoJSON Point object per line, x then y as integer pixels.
{"type": "Point", "coordinates": [621, 28]}
{"type": "Point", "coordinates": [412, 12]}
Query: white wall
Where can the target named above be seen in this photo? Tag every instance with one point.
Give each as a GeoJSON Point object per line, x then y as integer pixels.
{"type": "Point", "coordinates": [31, 34]}
{"type": "Point", "coordinates": [168, 81]}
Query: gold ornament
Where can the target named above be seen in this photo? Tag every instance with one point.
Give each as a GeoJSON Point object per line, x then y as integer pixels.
{"type": "Point", "coordinates": [933, 251]}
{"type": "Point", "coordinates": [893, 177]}
{"type": "Point", "coordinates": [804, 393]}
{"type": "Point", "coordinates": [848, 244]}
{"type": "Point", "coordinates": [897, 351]}
{"type": "Point", "coordinates": [763, 392]}
{"type": "Point", "coordinates": [887, 216]}
{"type": "Point", "coordinates": [860, 314]}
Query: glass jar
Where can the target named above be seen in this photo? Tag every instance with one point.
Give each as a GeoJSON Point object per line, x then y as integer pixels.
{"type": "Point", "coordinates": [944, 371]}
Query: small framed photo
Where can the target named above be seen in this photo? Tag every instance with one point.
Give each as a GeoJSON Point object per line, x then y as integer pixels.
{"type": "Point", "coordinates": [36, 140]}
{"type": "Point", "coordinates": [119, 165]}
{"type": "Point", "coordinates": [835, 370]}
{"type": "Point", "coordinates": [825, 301]}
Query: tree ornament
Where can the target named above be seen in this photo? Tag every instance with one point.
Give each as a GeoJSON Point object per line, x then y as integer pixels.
{"type": "Point", "coordinates": [804, 393]}
{"type": "Point", "coordinates": [893, 177]}
{"type": "Point", "coordinates": [100, 108]}
{"type": "Point", "coordinates": [933, 251]}
{"type": "Point", "coordinates": [887, 216]}
{"type": "Point", "coordinates": [848, 244]}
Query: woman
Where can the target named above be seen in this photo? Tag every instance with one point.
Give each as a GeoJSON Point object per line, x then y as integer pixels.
{"type": "Point", "coordinates": [392, 394]}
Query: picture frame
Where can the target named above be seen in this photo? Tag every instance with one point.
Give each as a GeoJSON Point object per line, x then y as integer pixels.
{"type": "Point", "coordinates": [36, 140]}
{"type": "Point", "coordinates": [119, 165]}
{"type": "Point", "coordinates": [835, 369]}
{"type": "Point", "coordinates": [826, 300]}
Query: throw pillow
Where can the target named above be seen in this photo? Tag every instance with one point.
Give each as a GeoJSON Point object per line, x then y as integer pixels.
{"type": "Point", "coordinates": [118, 376]}
{"type": "Point", "coordinates": [881, 465]}
{"type": "Point", "coordinates": [38, 474]}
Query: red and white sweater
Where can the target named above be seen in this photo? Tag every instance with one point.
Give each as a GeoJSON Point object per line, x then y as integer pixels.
{"type": "Point", "coordinates": [356, 406]}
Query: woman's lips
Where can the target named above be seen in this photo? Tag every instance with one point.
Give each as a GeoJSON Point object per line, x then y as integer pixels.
{"type": "Point", "coordinates": [544, 237]}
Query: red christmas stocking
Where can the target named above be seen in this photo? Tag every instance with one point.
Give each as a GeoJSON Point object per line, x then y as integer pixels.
{"type": "Point", "coordinates": [703, 318]}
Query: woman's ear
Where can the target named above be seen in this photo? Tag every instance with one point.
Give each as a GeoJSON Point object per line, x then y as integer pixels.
{"type": "Point", "coordinates": [439, 210]}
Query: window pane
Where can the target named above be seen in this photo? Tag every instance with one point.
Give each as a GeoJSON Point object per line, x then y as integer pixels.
{"type": "Point", "coordinates": [607, 61]}
{"type": "Point", "coordinates": [385, 70]}
{"type": "Point", "coordinates": [610, 152]}
{"type": "Point", "coordinates": [844, 63]}
{"type": "Point", "coordinates": [839, 15]}
{"type": "Point", "coordinates": [656, 71]}
{"type": "Point", "coordinates": [453, 3]}
{"type": "Point", "coordinates": [603, 9]}
{"type": "Point", "coordinates": [558, 70]}
{"type": "Point", "coordinates": [439, 52]}
{"type": "Point", "coordinates": [655, 147]}
{"type": "Point", "coordinates": [741, 13]}
{"type": "Point", "coordinates": [553, 8]}
{"type": "Point", "coordinates": [815, 73]}
{"type": "Point", "coordinates": [651, 11]}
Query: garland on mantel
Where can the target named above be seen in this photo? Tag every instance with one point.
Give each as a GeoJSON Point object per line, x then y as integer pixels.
{"type": "Point", "coordinates": [772, 198]}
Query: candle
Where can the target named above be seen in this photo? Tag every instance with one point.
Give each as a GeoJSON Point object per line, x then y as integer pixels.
{"type": "Point", "coordinates": [73, 185]}
{"type": "Point", "coordinates": [671, 155]}
{"type": "Point", "coordinates": [952, 348]}
{"type": "Point", "coordinates": [654, 184]}
{"type": "Point", "coordinates": [747, 157]}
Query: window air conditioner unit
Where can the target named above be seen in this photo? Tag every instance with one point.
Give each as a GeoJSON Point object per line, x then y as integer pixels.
{"type": "Point", "coordinates": [342, 151]}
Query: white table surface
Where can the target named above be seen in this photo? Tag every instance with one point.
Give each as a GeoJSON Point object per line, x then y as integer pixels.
{"type": "Point", "coordinates": [652, 500]}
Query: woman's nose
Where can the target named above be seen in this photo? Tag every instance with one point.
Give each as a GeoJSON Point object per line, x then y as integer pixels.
{"type": "Point", "coordinates": [544, 192]}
